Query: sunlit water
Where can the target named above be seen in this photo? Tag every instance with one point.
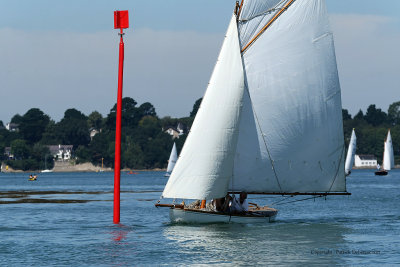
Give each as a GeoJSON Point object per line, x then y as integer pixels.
{"type": "Point", "coordinates": [65, 219]}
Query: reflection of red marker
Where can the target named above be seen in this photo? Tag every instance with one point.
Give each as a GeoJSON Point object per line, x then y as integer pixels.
{"type": "Point", "coordinates": [121, 21]}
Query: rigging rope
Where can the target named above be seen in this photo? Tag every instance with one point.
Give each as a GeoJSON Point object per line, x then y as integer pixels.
{"type": "Point", "coordinates": [263, 137]}
{"type": "Point", "coordinates": [281, 10]}
{"type": "Point", "coordinates": [264, 13]}
{"type": "Point", "coordinates": [337, 169]}
{"type": "Point", "coordinates": [314, 197]}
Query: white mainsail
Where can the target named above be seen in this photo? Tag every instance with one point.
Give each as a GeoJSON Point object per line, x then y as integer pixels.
{"type": "Point", "coordinates": [172, 159]}
{"type": "Point", "coordinates": [271, 118]}
{"type": "Point", "coordinates": [292, 79]}
{"type": "Point", "coordinates": [351, 152]}
{"type": "Point", "coordinates": [205, 164]}
{"type": "Point", "coordinates": [388, 157]}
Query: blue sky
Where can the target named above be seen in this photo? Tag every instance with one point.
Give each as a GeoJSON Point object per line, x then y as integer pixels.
{"type": "Point", "coordinates": [56, 55]}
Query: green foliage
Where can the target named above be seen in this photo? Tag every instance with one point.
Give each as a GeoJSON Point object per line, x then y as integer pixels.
{"type": "Point", "coordinates": [394, 113]}
{"type": "Point", "coordinates": [196, 107]}
{"type": "Point", "coordinates": [16, 119]}
{"type": "Point", "coordinates": [95, 120]}
{"type": "Point", "coordinates": [33, 124]}
{"type": "Point", "coordinates": [143, 142]}
{"type": "Point", "coordinates": [51, 135]}
{"type": "Point", "coordinates": [20, 149]}
{"type": "Point", "coordinates": [73, 129]}
{"type": "Point", "coordinates": [375, 116]}
{"type": "Point", "coordinates": [371, 131]}
{"type": "Point", "coordinates": [345, 114]}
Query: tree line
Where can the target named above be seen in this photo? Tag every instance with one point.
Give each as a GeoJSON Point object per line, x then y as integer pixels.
{"type": "Point", "coordinates": [371, 130]}
{"type": "Point", "coordinates": [143, 143]}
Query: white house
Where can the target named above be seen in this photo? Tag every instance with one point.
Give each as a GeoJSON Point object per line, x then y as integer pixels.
{"type": "Point", "coordinates": [12, 127]}
{"type": "Point", "coordinates": [61, 152]}
{"type": "Point", "coordinates": [173, 132]}
{"type": "Point", "coordinates": [365, 161]}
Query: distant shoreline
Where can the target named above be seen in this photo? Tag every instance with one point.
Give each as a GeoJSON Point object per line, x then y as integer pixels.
{"type": "Point", "coordinates": [84, 167]}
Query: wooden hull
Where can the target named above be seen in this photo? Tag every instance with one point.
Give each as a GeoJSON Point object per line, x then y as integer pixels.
{"type": "Point", "coordinates": [381, 173]}
{"type": "Point", "coordinates": [179, 215]}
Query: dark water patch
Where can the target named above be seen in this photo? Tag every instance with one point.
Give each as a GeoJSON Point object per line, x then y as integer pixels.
{"type": "Point", "coordinates": [148, 200]}
{"type": "Point", "coordinates": [23, 193]}
{"type": "Point", "coordinates": [41, 200]}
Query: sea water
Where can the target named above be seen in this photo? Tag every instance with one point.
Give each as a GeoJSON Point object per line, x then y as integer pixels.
{"type": "Point", "coordinates": [65, 219]}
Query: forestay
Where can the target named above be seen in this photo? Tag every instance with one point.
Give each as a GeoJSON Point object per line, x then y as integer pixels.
{"type": "Point", "coordinates": [293, 86]}
{"type": "Point", "coordinates": [205, 164]}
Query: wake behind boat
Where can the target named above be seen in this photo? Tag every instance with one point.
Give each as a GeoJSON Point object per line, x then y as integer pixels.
{"type": "Point", "coordinates": [270, 121]}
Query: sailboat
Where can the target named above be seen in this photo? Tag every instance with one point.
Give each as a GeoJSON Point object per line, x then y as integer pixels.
{"type": "Point", "coordinates": [45, 165]}
{"type": "Point", "coordinates": [270, 121]}
{"type": "Point", "coordinates": [172, 161]}
{"type": "Point", "coordinates": [388, 157]}
{"type": "Point", "coordinates": [351, 152]}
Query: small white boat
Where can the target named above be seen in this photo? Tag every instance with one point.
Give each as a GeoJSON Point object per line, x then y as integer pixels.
{"type": "Point", "coordinates": [388, 157]}
{"type": "Point", "coordinates": [173, 157]}
{"type": "Point", "coordinates": [351, 152]}
{"type": "Point", "coordinates": [270, 121]}
{"type": "Point", "coordinates": [47, 171]}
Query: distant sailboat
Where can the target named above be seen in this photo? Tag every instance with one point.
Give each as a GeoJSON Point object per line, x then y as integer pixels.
{"type": "Point", "coordinates": [45, 165]}
{"type": "Point", "coordinates": [351, 152]}
{"type": "Point", "coordinates": [173, 157]}
{"type": "Point", "coordinates": [388, 156]}
{"type": "Point", "coordinates": [270, 121]}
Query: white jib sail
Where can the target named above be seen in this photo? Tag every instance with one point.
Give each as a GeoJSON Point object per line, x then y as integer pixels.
{"type": "Point", "coordinates": [388, 157]}
{"type": "Point", "coordinates": [205, 163]}
{"type": "Point", "coordinates": [351, 152]}
{"type": "Point", "coordinates": [292, 79]}
{"type": "Point", "coordinates": [172, 159]}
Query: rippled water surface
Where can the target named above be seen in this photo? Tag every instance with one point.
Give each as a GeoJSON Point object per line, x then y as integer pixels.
{"type": "Point", "coordinates": [65, 219]}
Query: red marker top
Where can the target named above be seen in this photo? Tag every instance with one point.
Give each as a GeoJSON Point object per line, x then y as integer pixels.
{"type": "Point", "coordinates": [121, 19]}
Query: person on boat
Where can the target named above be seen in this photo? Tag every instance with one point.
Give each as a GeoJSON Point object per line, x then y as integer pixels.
{"type": "Point", "coordinates": [240, 205]}
{"type": "Point", "coordinates": [194, 205]}
{"type": "Point", "coordinates": [222, 204]}
{"type": "Point", "coordinates": [378, 166]}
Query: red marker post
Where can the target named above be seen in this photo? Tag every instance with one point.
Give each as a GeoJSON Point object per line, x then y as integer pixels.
{"type": "Point", "coordinates": [121, 21]}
